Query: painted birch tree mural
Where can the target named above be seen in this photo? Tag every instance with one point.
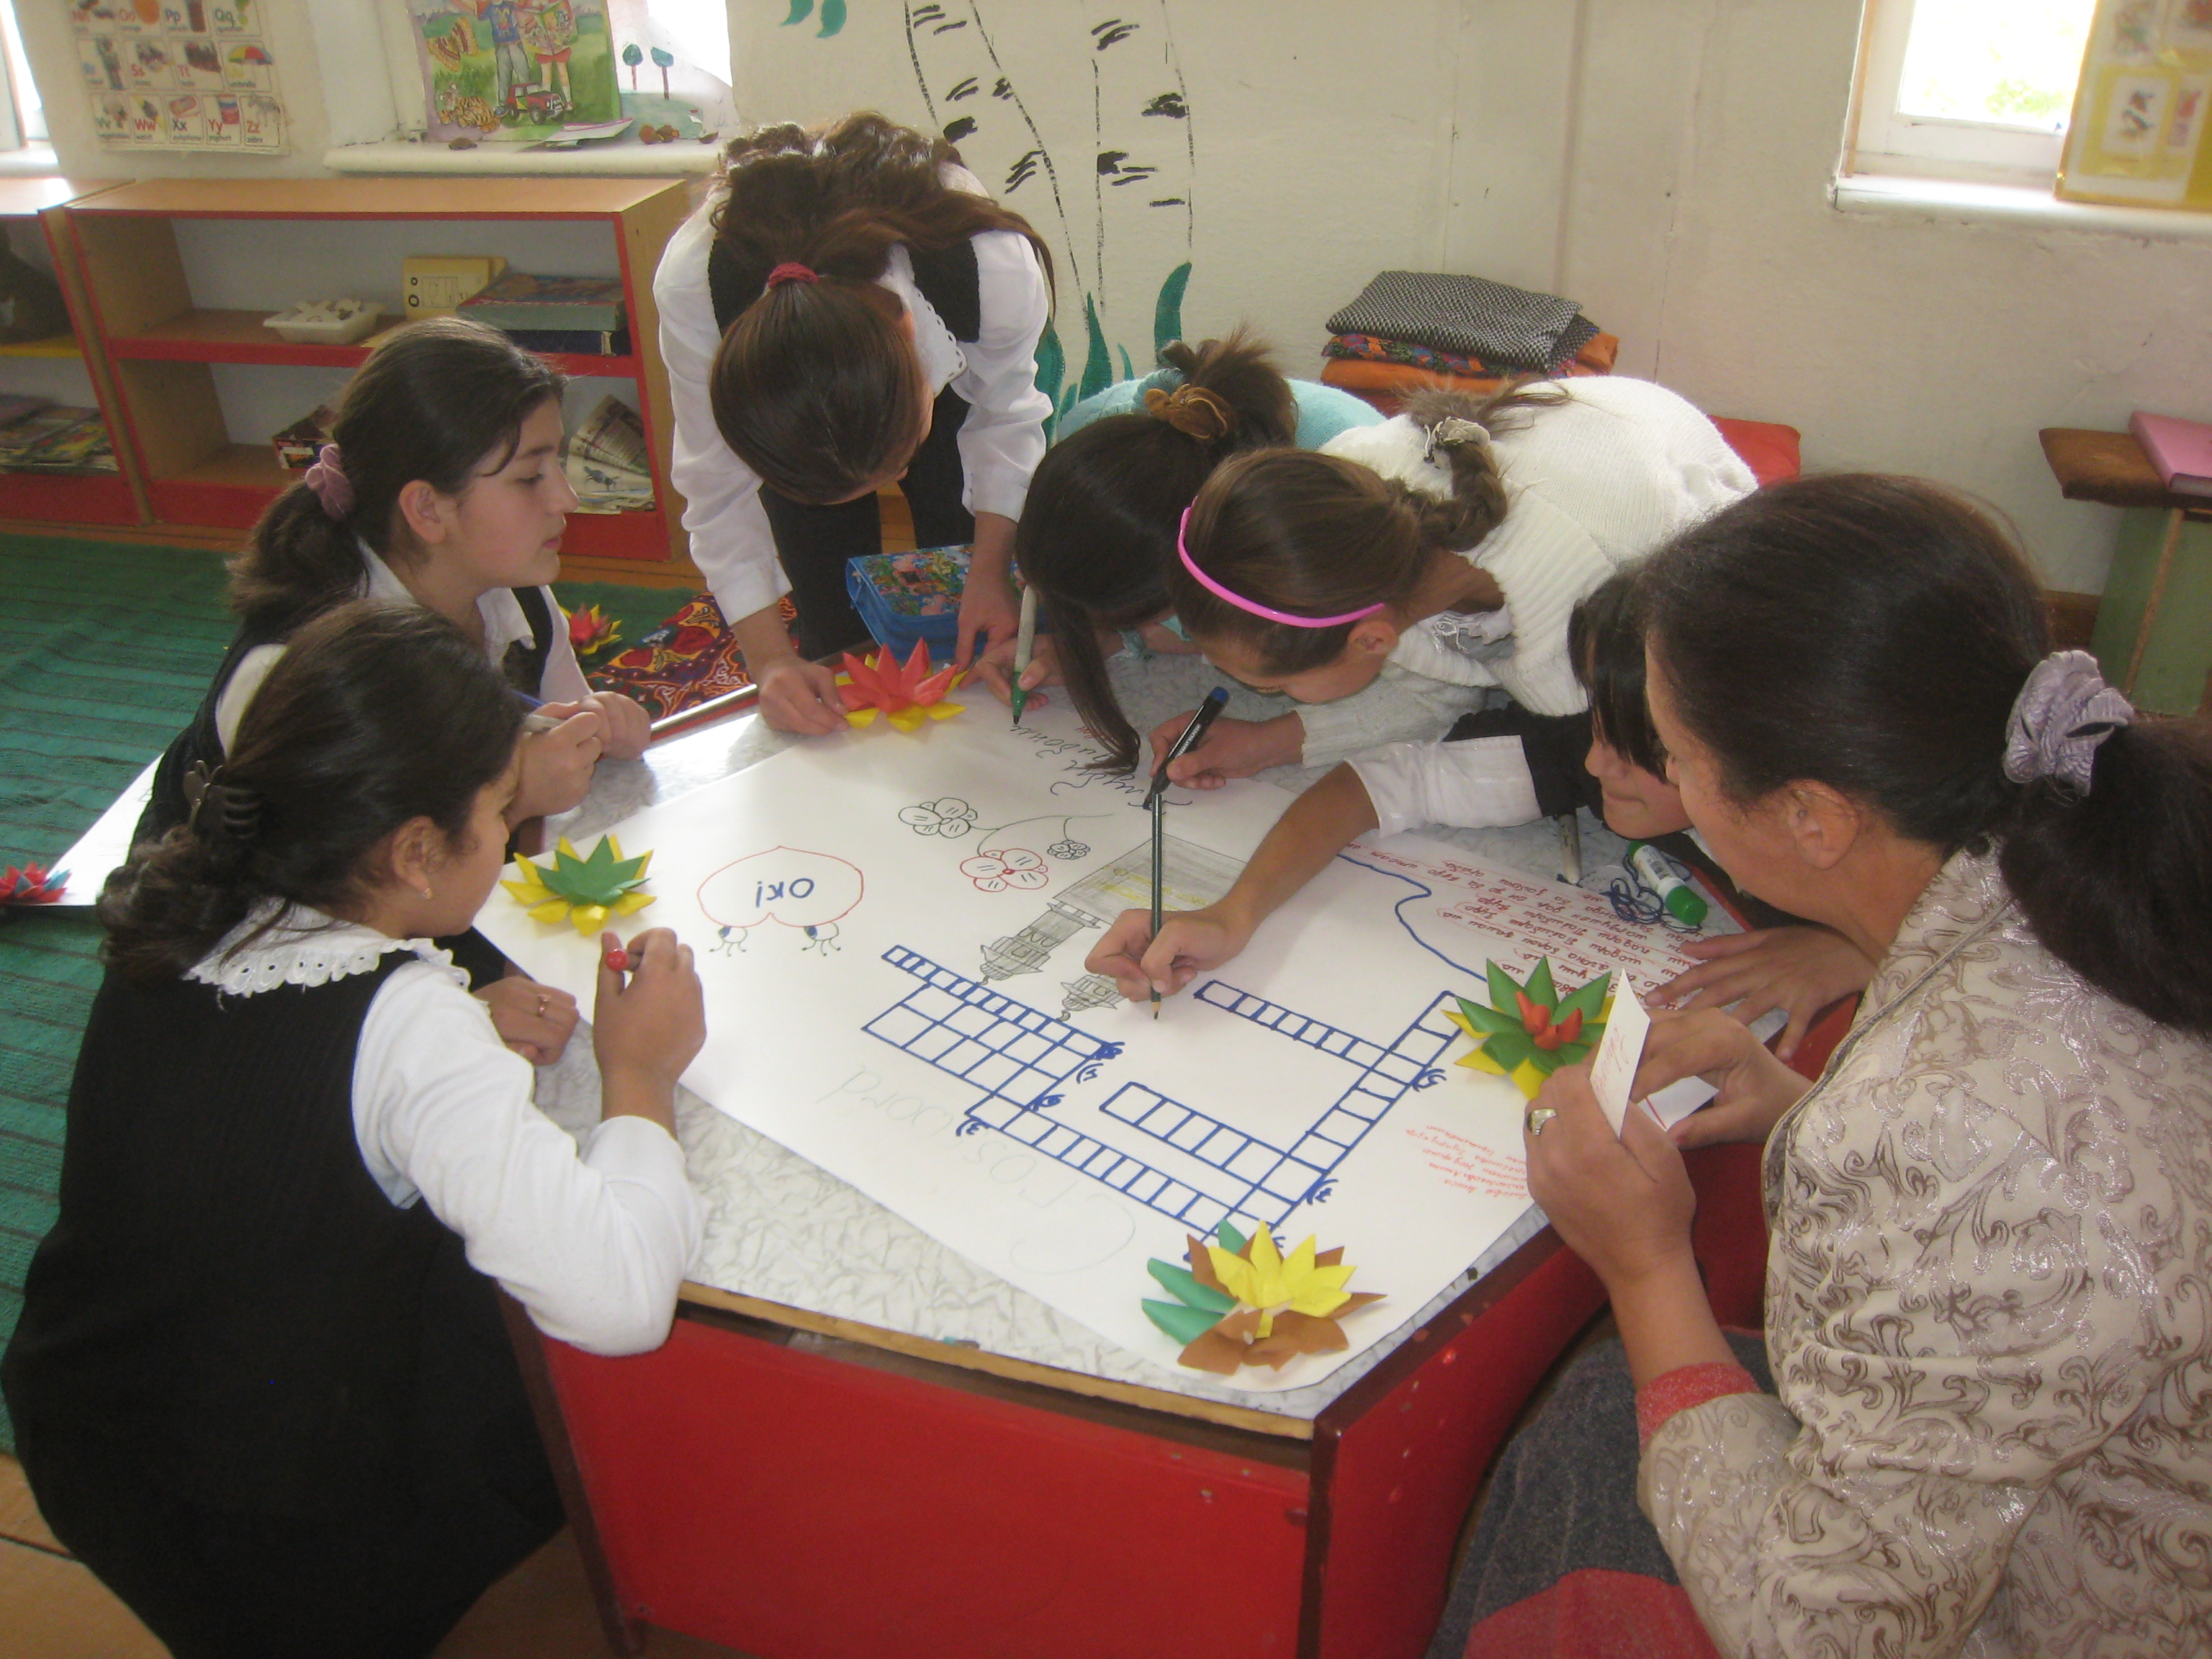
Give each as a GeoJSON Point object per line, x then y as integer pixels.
{"type": "Point", "coordinates": [1112, 216]}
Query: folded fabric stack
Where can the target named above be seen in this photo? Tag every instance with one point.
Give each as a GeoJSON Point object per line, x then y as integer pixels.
{"type": "Point", "coordinates": [606, 462]}
{"type": "Point", "coordinates": [1411, 329]}
{"type": "Point", "coordinates": [55, 439]}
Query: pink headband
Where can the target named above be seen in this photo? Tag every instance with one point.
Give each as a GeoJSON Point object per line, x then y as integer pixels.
{"type": "Point", "coordinates": [1183, 547]}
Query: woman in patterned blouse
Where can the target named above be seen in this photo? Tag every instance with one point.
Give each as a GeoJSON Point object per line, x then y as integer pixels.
{"type": "Point", "coordinates": [1988, 1316]}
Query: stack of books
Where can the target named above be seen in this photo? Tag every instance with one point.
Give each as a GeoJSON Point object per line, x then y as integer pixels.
{"type": "Point", "coordinates": [54, 438]}
{"type": "Point", "coordinates": [579, 315]}
{"type": "Point", "coordinates": [607, 463]}
{"type": "Point", "coordinates": [298, 444]}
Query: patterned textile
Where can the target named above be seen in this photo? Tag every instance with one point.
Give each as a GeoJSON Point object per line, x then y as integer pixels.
{"type": "Point", "coordinates": [1986, 1309]}
{"type": "Point", "coordinates": [688, 659]}
{"type": "Point", "coordinates": [1505, 327]}
{"type": "Point", "coordinates": [1375, 349]}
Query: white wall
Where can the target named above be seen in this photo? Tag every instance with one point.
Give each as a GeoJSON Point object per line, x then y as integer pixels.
{"type": "Point", "coordinates": [1665, 162]}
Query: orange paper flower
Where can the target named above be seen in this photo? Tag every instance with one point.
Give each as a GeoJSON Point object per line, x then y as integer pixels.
{"type": "Point", "coordinates": [907, 691]}
{"type": "Point", "coordinates": [1242, 1303]}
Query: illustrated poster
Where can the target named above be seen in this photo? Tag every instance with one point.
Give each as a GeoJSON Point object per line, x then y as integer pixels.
{"type": "Point", "coordinates": [179, 75]}
{"type": "Point", "coordinates": [891, 931]}
{"type": "Point", "coordinates": [516, 69]}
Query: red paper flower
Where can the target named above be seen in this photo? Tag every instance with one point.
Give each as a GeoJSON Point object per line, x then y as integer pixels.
{"type": "Point", "coordinates": [906, 691]}
{"type": "Point", "coordinates": [592, 629]}
{"type": "Point", "coordinates": [32, 884]}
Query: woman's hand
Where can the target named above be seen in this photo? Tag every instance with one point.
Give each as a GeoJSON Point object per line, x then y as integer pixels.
{"type": "Point", "coordinates": [534, 1020]}
{"type": "Point", "coordinates": [799, 695]}
{"type": "Point", "coordinates": [646, 1031]}
{"type": "Point", "coordinates": [1755, 1087]}
{"type": "Point", "coordinates": [1191, 942]}
{"type": "Point", "coordinates": [1799, 969]}
{"type": "Point", "coordinates": [999, 677]}
{"type": "Point", "coordinates": [557, 765]}
{"type": "Point", "coordinates": [1231, 749]}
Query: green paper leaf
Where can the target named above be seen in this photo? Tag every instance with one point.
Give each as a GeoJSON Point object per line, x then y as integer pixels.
{"type": "Point", "coordinates": [1572, 1053]}
{"type": "Point", "coordinates": [1588, 1001]}
{"type": "Point", "coordinates": [597, 877]}
{"type": "Point", "coordinates": [1541, 989]}
{"type": "Point", "coordinates": [1509, 1048]}
{"type": "Point", "coordinates": [1185, 1325]}
{"type": "Point", "coordinates": [1503, 986]}
{"type": "Point", "coordinates": [1546, 1061]}
{"type": "Point", "coordinates": [1181, 1283]}
{"type": "Point", "coordinates": [1488, 1021]}
{"type": "Point", "coordinates": [1167, 310]}
{"type": "Point", "coordinates": [1231, 1240]}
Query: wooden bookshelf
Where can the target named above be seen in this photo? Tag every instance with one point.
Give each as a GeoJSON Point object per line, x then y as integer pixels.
{"type": "Point", "coordinates": [165, 347]}
{"type": "Point", "coordinates": [57, 498]}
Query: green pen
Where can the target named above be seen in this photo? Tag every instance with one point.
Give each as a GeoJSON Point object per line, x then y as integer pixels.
{"type": "Point", "coordinates": [1024, 643]}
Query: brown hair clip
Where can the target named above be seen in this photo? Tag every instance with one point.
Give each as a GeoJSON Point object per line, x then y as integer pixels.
{"type": "Point", "coordinates": [221, 811]}
{"type": "Point", "coordinates": [1192, 410]}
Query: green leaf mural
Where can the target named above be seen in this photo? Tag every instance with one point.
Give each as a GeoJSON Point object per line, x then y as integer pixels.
{"type": "Point", "coordinates": [1097, 361]}
{"type": "Point", "coordinates": [1051, 371]}
{"type": "Point", "coordinates": [1167, 310]}
{"type": "Point", "coordinates": [833, 19]}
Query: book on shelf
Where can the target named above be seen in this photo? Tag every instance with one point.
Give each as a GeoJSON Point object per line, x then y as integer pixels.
{"type": "Point", "coordinates": [13, 408]}
{"type": "Point", "coordinates": [2180, 450]}
{"type": "Point", "coordinates": [519, 299]}
{"type": "Point", "coordinates": [57, 440]}
{"type": "Point", "coordinates": [607, 463]}
{"type": "Point", "coordinates": [573, 342]}
{"type": "Point", "coordinates": [298, 444]}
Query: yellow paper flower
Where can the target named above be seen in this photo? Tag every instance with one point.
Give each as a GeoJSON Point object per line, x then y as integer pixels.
{"type": "Point", "coordinates": [585, 892]}
{"type": "Point", "coordinates": [1271, 1284]}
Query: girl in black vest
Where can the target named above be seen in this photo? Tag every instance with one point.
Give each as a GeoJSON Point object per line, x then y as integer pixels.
{"type": "Point", "coordinates": [262, 1386]}
{"type": "Point", "coordinates": [847, 309]}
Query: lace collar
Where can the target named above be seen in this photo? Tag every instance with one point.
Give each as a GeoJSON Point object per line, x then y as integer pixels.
{"type": "Point", "coordinates": [305, 947]}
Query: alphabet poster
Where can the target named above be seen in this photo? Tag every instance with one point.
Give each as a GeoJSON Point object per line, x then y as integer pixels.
{"type": "Point", "coordinates": [179, 75]}
{"type": "Point", "coordinates": [891, 929]}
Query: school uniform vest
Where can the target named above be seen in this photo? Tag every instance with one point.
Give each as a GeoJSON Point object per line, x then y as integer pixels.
{"type": "Point", "coordinates": [229, 1295]}
{"type": "Point", "coordinates": [200, 742]}
{"type": "Point", "coordinates": [946, 277]}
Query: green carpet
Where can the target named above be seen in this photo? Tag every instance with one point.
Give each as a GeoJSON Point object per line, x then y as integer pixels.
{"type": "Point", "coordinates": [108, 652]}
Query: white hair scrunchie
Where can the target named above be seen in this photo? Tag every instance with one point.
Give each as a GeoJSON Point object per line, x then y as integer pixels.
{"type": "Point", "coordinates": [2062, 713]}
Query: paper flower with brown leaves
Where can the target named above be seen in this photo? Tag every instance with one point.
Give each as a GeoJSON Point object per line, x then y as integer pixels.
{"type": "Point", "coordinates": [1242, 1303]}
{"type": "Point", "coordinates": [906, 691]}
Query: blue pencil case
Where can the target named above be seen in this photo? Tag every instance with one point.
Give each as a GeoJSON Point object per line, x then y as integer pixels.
{"type": "Point", "coordinates": [906, 597]}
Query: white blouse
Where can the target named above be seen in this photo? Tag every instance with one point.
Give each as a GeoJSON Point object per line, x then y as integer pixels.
{"type": "Point", "coordinates": [504, 625]}
{"type": "Point", "coordinates": [1000, 443]}
{"type": "Point", "coordinates": [595, 1245]}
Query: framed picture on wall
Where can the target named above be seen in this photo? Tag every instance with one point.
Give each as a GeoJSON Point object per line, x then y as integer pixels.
{"type": "Point", "coordinates": [2140, 107]}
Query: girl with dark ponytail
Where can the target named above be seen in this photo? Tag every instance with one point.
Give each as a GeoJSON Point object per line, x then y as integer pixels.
{"type": "Point", "coordinates": [1991, 1215]}
{"type": "Point", "coordinates": [1424, 562]}
{"type": "Point", "coordinates": [262, 1385]}
{"type": "Point", "coordinates": [441, 487]}
{"type": "Point", "coordinates": [1097, 533]}
{"type": "Point", "coordinates": [847, 309]}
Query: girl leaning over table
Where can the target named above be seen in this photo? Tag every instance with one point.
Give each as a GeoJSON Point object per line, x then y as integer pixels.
{"type": "Point", "coordinates": [1979, 1423]}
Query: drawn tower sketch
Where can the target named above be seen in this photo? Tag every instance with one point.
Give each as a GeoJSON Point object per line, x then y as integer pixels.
{"type": "Point", "coordinates": [1191, 876]}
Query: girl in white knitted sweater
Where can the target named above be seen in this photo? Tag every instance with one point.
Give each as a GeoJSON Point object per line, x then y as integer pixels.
{"type": "Point", "coordinates": [1391, 580]}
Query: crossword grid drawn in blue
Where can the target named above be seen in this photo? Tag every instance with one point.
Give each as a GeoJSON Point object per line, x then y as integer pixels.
{"type": "Point", "coordinates": [1018, 1055]}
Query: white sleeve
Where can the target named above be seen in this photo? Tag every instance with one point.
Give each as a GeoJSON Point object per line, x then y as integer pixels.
{"type": "Point", "coordinates": [593, 1246]}
{"type": "Point", "coordinates": [731, 541]}
{"type": "Point", "coordinates": [244, 683]}
{"type": "Point", "coordinates": [1483, 783]}
{"type": "Point", "coordinates": [563, 679]}
{"type": "Point", "coordinates": [1002, 439]}
{"type": "Point", "coordinates": [1398, 705]}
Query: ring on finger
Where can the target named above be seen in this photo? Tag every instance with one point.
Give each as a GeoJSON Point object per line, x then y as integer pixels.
{"type": "Point", "coordinates": [1537, 1118]}
{"type": "Point", "coordinates": [541, 1001]}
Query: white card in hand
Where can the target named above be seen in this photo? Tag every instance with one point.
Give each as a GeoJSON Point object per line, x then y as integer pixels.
{"type": "Point", "coordinates": [1612, 1067]}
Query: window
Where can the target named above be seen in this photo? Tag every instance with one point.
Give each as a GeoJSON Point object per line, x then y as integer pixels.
{"type": "Point", "coordinates": [25, 119]}
{"type": "Point", "coordinates": [1968, 89]}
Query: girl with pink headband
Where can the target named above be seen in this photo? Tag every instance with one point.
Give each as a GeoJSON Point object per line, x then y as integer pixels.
{"type": "Point", "coordinates": [1408, 573]}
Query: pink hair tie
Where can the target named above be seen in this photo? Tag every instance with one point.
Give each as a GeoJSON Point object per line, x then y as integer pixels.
{"type": "Point", "coordinates": [791, 271]}
{"type": "Point", "coordinates": [331, 486]}
{"type": "Point", "coordinates": [1183, 547]}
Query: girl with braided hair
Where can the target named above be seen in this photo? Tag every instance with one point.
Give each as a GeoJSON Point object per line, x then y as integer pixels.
{"type": "Point", "coordinates": [847, 310]}
{"type": "Point", "coordinates": [263, 1386]}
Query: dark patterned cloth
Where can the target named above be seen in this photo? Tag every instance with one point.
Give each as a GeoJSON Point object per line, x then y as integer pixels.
{"type": "Point", "coordinates": [1563, 1562]}
{"type": "Point", "coordinates": [1505, 327]}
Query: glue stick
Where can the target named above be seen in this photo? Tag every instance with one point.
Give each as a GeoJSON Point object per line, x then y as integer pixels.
{"type": "Point", "coordinates": [1683, 902]}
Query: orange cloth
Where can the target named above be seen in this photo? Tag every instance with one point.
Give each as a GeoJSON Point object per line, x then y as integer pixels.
{"type": "Point", "coordinates": [1385, 385]}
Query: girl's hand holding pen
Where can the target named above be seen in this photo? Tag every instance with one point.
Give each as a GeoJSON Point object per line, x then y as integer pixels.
{"type": "Point", "coordinates": [557, 765]}
{"type": "Point", "coordinates": [1190, 943]}
{"type": "Point", "coordinates": [1232, 749]}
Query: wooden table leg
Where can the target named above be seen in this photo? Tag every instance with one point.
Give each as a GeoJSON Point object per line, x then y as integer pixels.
{"type": "Point", "coordinates": [2174, 522]}
{"type": "Point", "coordinates": [625, 1635]}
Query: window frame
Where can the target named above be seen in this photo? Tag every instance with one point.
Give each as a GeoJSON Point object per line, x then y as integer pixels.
{"type": "Point", "coordinates": [1885, 140]}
